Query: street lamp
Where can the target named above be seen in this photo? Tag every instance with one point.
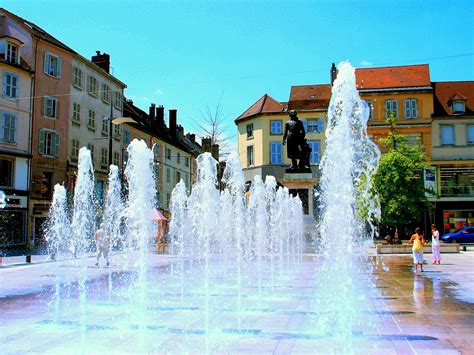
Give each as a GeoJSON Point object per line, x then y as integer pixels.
{"type": "Point", "coordinates": [114, 121]}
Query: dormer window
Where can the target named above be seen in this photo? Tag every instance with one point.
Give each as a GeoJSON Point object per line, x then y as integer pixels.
{"type": "Point", "coordinates": [459, 107]}
{"type": "Point", "coordinates": [11, 54]}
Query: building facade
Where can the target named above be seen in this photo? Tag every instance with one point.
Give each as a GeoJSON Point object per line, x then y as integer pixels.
{"type": "Point", "coordinates": [16, 76]}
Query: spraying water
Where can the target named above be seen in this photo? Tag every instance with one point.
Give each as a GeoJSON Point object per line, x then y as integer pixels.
{"type": "Point", "coordinates": [341, 226]}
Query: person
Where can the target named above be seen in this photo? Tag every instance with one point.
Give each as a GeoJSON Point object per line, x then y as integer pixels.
{"type": "Point", "coordinates": [294, 134]}
{"type": "Point", "coordinates": [418, 242]}
{"type": "Point", "coordinates": [435, 244]}
{"type": "Point", "coordinates": [102, 241]}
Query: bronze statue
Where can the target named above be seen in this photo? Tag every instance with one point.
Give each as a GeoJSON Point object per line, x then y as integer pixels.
{"type": "Point", "coordinates": [298, 148]}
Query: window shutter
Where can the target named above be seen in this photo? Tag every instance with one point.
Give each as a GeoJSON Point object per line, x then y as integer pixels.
{"type": "Point", "coordinates": [60, 65]}
{"type": "Point", "coordinates": [320, 125]}
{"type": "Point", "coordinates": [42, 135]}
{"type": "Point", "coordinates": [56, 108]}
{"type": "Point", "coordinates": [414, 107]}
{"type": "Point", "coordinates": [13, 128]}
{"type": "Point", "coordinates": [395, 106]}
{"type": "Point", "coordinates": [4, 85]}
{"type": "Point", "coordinates": [56, 144]}
{"type": "Point", "coordinates": [408, 108]}
{"type": "Point", "coordinates": [46, 63]}
{"type": "Point", "coordinates": [2, 132]}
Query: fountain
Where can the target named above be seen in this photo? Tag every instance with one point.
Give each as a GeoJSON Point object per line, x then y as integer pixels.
{"type": "Point", "coordinates": [237, 276]}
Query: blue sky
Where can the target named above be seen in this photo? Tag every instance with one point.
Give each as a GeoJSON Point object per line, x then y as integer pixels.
{"type": "Point", "coordinates": [187, 54]}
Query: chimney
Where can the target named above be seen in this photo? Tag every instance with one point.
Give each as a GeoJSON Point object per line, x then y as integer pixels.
{"type": "Point", "coordinates": [160, 116]}
{"type": "Point", "coordinates": [192, 137]}
{"type": "Point", "coordinates": [215, 151]}
{"type": "Point", "coordinates": [206, 144]}
{"type": "Point", "coordinates": [152, 112]}
{"type": "Point", "coordinates": [333, 73]}
{"type": "Point", "coordinates": [102, 61]}
{"type": "Point", "coordinates": [172, 126]}
{"type": "Point", "coordinates": [180, 131]}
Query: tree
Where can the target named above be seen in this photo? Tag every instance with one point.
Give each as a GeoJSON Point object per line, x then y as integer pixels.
{"type": "Point", "coordinates": [213, 125]}
{"type": "Point", "coordinates": [399, 179]}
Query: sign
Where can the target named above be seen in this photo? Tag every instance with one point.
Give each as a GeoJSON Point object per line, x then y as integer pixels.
{"type": "Point", "coordinates": [430, 182]}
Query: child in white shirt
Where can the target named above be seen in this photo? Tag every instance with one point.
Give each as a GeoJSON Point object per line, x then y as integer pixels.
{"type": "Point", "coordinates": [435, 244]}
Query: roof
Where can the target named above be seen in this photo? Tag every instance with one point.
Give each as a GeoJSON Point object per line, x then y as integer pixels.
{"type": "Point", "coordinates": [309, 97]}
{"type": "Point", "coordinates": [393, 77]}
{"type": "Point", "coordinates": [266, 104]}
{"type": "Point", "coordinates": [445, 92]}
{"type": "Point", "coordinates": [38, 32]}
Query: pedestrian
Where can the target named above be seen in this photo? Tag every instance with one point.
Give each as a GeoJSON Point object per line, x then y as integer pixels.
{"type": "Point", "coordinates": [418, 242]}
{"type": "Point", "coordinates": [102, 242]}
{"type": "Point", "coordinates": [435, 244]}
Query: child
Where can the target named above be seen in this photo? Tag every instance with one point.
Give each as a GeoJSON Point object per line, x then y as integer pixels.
{"type": "Point", "coordinates": [102, 241]}
{"type": "Point", "coordinates": [418, 241]}
{"type": "Point", "coordinates": [435, 244]}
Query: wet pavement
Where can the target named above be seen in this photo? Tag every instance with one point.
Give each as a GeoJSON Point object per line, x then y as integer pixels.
{"type": "Point", "coordinates": [405, 313]}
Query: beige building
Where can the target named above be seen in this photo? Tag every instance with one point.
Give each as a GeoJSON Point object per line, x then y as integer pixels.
{"type": "Point", "coordinates": [16, 104]}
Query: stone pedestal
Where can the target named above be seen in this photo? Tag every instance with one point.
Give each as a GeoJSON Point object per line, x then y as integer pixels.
{"type": "Point", "coordinates": [303, 184]}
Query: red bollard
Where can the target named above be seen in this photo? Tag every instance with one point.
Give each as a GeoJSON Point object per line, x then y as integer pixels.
{"type": "Point", "coordinates": [28, 259]}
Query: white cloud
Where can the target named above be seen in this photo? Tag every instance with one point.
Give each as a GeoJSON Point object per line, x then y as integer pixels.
{"type": "Point", "coordinates": [366, 63]}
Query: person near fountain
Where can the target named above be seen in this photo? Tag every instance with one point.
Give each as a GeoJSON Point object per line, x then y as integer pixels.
{"type": "Point", "coordinates": [102, 241]}
{"type": "Point", "coordinates": [418, 241]}
{"type": "Point", "coordinates": [294, 134]}
{"type": "Point", "coordinates": [435, 244]}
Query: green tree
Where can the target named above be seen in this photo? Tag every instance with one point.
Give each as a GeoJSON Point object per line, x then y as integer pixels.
{"type": "Point", "coordinates": [399, 180]}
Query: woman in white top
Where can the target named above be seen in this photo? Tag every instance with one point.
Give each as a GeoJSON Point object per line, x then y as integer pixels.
{"type": "Point", "coordinates": [435, 244]}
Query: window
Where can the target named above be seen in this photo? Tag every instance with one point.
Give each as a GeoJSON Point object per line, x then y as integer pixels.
{"type": "Point", "coordinates": [470, 134]}
{"type": "Point", "coordinates": [76, 113]}
{"type": "Point", "coordinates": [168, 153]}
{"type": "Point", "coordinates": [8, 133]}
{"type": "Point", "coordinates": [391, 106]}
{"type": "Point", "coordinates": [104, 155]}
{"type": "Point", "coordinates": [250, 155]}
{"type": "Point", "coordinates": [250, 130]}
{"type": "Point", "coordinates": [276, 127]}
{"type": "Point", "coordinates": [105, 93]}
{"type": "Point", "coordinates": [411, 108]}
{"type": "Point", "coordinates": [156, 150]}
{"type": "Point", "coordinates": [116, 131]}
{"type": "Point", "coordinates": [276, 152]}
{"type": "Point", "coordinates": [315, 126]}
{"type": "Point", "coordinates": [118, 99]}
{"type": "Point", "coordinates": [178, 158]}
{"type": "Point", "coordinates": [315, 152]}
{"type": "Point", "coordinates": [447, 135]}
{"type": "Point", "coordinates": [91, 148]}
{"type": "Point", "coordinates": [75, 150]}
{"type": "Point", "coordinates": [105, 127]}
{"type": "Point", "coordinates": [459, 107]}
{"type": "Point", "coordinates": [127, 136]}
{"type": "Point", "coordinates": [91, 121]}
{"type": "Point", "coordinates": [157, 171]}
{"type": "Point", "coordinates": [48, 143]}
{"type": "Point", "coordinates": [186, 161]}
{"type": "Point", "coordinates": [11, 87]}
{"type": "Point", "coordinates": [52, 65]}
{"type": "Point", "coordinates": [305, 125]}
{"type": "Point", "coordinates": [12, 53]}
{"type": "Point", "coordinates": [370, 104]}
{"type": "Point", "coordinates": [92, 86]}
{"type": "Point", "coordinates": [413, 139]}
{"type": "Point", "coordinates": [116, 158]}
{"type": "Point", "coordinates": [178, 176]}
{"type": "Point", "coordinates": [168, 175]}
{"type": "Point", "coordinates": [6, 167]}
{"type": "Point", "coordinates": [50, 105]}
{"type": "Point", "coordinates": [77, 77]}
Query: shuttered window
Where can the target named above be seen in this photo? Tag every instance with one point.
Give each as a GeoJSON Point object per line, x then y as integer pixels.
{"type": "Point", "coordinates": [48, 143]}
{"type": "Point", "coordinates": [8, 132]}
{"type": "Point", "coordinates": [11, 85]}
{"type": "Point", "coordinates": [391, 106]}
{"type": "Point", "coordinates": [50, 106]}
{"type": "Point", "coordinates": [447, 135]}
{"type": "Point", "coordinates": [276, 155]}
{"type": "Point", "coordinates": [411, 108]}
{"type": "Point", "coordinates": [315, 152]}
{"type": "Point", "coordinates": [52, 65]}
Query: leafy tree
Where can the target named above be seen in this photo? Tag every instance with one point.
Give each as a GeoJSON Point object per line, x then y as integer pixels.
{"type": "Point", "coordinates": [399, 179]}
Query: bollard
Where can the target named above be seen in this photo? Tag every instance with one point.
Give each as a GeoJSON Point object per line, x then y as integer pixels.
{"type": "Point", "coordinates": [1, 261]}
{"type": "Point", "coordinates": [464, 248]}
{"type": "Point", "coordinates": [28, 259]}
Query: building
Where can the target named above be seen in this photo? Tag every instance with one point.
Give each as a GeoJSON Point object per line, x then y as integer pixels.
{"type": "Point", "coordinates": [96, 95]}
{"type": "Point", "coordinates": [452, 176]}
{"type": "Point", "coordinates": [16, 104]}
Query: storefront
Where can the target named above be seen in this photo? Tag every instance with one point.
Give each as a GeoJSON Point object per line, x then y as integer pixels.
{"type": "Point", "coordinates": [457, 219]}
{"type": "Point", "coordinates": [39, 215]}
{"type": "Point", "coordinates": [13, 221]}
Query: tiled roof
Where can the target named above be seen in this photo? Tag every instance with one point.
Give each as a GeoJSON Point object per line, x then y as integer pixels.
{"type": "Point", "coordinates": [445, 92]}
{"type": "Point", "coordinates": [393, 77]}
{"type": "Point", "coordinates": [309, 97]}
{"type": "Point", "coordinates": [265, 104]}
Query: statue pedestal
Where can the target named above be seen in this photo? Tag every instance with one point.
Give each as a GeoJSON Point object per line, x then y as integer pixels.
{"type": "Point", "coordinates": [303, 185]}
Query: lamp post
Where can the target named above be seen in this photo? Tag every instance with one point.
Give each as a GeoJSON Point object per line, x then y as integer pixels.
{"type": "Point", "coordinates": [114, 121]}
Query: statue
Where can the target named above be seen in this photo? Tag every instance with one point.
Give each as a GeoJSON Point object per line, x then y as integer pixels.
{"type": "Point", "coordinates": [298, 148]}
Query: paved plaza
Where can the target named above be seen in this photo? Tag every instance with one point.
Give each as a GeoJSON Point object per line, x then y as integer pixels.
{"type": "Point", "coordinates": [404, 313]}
